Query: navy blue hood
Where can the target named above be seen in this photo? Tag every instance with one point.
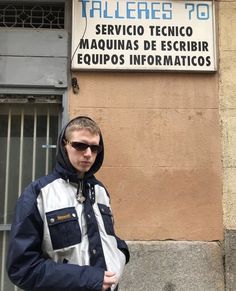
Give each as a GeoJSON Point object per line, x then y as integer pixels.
{"type": "Point", "coordinates": [64, 162]}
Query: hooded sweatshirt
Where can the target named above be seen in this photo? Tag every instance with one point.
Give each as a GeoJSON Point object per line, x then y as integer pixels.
{"type": "Point", "coordinates": [59, 242]}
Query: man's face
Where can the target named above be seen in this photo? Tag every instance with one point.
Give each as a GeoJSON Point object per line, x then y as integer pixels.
{"type": "Point", "coordinates": [82, 160]}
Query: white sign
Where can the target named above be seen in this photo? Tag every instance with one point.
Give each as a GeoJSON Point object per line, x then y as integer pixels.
{"type": "Point", "coordinates": [143, 35]}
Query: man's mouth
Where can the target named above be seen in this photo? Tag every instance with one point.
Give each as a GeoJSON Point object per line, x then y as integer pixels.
{"type": "Point", "coordinates": [85, 163]}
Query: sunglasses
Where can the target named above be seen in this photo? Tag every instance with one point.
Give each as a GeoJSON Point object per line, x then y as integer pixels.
{"type": "Point", "coordinates": [80, 146]}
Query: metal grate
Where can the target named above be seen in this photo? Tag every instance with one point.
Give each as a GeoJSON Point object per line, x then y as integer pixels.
{"type": "Point", "coordinates": [32, 15]}
{"type": "Point", "coordinates": [28, 136]}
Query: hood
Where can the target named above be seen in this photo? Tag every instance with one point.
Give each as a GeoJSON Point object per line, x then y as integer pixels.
{"type": "Point", "coordinates": [62, 159]}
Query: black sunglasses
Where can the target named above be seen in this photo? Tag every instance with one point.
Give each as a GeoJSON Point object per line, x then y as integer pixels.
{"type": "Point", "coordinates": [80, 146]}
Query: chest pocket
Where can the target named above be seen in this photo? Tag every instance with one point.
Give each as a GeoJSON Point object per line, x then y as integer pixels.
{"type": "Point", "coordinates": [63, 227]}
{"type": "Point", "coordinates": [107, 218]}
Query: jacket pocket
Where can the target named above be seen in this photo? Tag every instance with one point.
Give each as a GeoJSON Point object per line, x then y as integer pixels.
{"type": "Point", "coordinates": [107, 218]}
{"type": "Point", "coordinates": [63, 227]}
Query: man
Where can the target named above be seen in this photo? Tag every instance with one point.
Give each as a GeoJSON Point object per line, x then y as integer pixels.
{"type": "Point", "coordinates": [62, 237]}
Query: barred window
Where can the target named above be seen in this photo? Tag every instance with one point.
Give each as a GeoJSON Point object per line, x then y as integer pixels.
{"type": "Point", "coordinates": [32, 15]}
{"type": "Point", "coordinates": [29, 128]}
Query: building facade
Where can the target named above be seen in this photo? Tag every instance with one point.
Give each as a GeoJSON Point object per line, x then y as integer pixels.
{"type": "Point", "coordinates": [169, 144]}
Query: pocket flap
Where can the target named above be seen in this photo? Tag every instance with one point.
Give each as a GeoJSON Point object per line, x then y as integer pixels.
{"type": "Point", "coordinates": [104, 209]}
{"type": "Point", "coordinates": [61, 215]}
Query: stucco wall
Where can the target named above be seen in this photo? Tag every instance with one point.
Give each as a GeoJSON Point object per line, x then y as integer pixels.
{"type": "Point", "coordinates": [227, 44]}
{"type": "Point", "coordinates": [163, 152]}
{"type": "Point", "coordinates": [227, 89]}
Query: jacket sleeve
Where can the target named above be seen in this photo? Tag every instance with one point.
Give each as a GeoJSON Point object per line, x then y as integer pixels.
{"type": "Point", "coordinates": [27, 267]}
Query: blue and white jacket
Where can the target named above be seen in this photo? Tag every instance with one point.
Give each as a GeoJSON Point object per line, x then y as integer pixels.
{"type": "Point", "coordinates": [58, 243]}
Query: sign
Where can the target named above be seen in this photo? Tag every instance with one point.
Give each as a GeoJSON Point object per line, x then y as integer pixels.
{"type": "Point", "coordinates": [143, 35]}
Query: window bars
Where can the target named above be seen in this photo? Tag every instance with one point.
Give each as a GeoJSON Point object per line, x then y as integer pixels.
{"type": "Point", "coordinates": [32, 15]}
{"type": "Point", "coordinates": [28, 136]}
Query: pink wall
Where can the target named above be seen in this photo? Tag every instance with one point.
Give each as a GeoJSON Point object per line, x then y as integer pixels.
{"type": "Point", "coordinates": [163, 155]}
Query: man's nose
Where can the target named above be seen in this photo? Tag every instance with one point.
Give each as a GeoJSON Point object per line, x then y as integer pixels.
{"type": "Point", "coordinates": [88, 152]}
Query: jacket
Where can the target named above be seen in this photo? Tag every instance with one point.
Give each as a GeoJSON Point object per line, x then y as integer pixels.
{"type": "Point", "coordinates": [58, 243]}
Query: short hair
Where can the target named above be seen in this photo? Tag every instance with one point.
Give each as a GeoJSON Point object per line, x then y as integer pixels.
{"type": "Point", "coordinates": [82, 123]}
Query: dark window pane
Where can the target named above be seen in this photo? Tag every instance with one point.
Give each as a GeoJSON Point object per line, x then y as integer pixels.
{"type": "Point", "coordinates": [32, 15]}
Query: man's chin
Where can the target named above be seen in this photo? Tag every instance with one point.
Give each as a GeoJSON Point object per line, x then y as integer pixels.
{"type": "Point", "coordinates": [83, 170]}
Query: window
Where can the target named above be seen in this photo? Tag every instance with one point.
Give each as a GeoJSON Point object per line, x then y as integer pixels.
{"type": "Point", "coordinates": [28, 137]}
{"type": "Point", "coordinates": [32, 15]}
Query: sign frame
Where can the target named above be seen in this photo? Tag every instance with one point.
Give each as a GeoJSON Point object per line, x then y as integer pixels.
{"type": "Point", "coordinates": [176, 35]}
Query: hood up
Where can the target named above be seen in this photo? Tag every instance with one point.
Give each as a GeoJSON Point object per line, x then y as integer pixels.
{"type": "Point", "coordinates": [62, 159]}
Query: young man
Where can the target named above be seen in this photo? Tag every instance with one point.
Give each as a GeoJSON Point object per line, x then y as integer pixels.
{"type": "Point", "coordinates": [62, 237]}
